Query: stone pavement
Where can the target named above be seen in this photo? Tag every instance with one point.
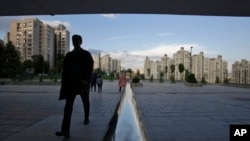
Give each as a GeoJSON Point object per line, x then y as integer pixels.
{"type": "Point", "coordinates": [170, 112]}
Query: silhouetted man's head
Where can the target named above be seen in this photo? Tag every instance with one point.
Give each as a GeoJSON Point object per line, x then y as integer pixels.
{"type": "Point", "coordinates": [77, 40]}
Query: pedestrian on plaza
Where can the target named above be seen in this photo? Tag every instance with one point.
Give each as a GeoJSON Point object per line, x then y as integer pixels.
{"type": "Point", "coordinates": [77, 69]}
{"type": "Point", "coordinates": [122, 82]}
{"type": "Point", "coordinates": [93, 81]}
{"type": "Point", "coordinates": [99, 83]}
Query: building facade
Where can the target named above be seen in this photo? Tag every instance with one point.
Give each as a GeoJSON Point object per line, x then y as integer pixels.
{"type": "Point", "coordinates": [155, 68]}
{"type": "Point", "coordinates": [181, 57]}
{"type": "Point", "coordinates": [25, 36]}
{"type": "Point", "coordinates": [241, 72]}
{"type": "Point", "coordinates": [32, 37]}
{"type": "Point", "coordinates": [212, 70]}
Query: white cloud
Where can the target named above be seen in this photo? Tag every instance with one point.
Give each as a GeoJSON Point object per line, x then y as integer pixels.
{"type": "Point", "coordinates": [164, 34]}
{"type": "Point", "coordinates": [56, 23]}
{"type": "Point", "coordinates": [111, 16]}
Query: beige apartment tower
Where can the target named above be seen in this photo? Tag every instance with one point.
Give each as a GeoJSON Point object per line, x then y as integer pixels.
{"type": "Point", "coordinates": [184, 57]}
{"type": "Point", "coordinates": [26, 37]}
{"type": "Point", "coordinates": [241, 72]}
{"type": "Point", "coordinates": [62, 38]}
{"type": "Point", "coordinates": [32, 37]}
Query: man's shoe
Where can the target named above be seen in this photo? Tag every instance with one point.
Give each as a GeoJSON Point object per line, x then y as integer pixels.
{"type": "Point", "coordinates": [63, 133]}
{"type": "Point", "coordinates": [86, 121]}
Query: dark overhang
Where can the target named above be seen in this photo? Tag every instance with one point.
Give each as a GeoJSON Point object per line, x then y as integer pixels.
{"type": "Point", "coordinates": [179, 7]}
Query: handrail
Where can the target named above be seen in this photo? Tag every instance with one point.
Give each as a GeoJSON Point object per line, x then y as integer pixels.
{"type": "Point", "coordinates": [125, 124]}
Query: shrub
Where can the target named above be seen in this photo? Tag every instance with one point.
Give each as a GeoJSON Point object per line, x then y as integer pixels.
{"type": "Point", "coordinates": [135, 80]}
{"type": "Point", "coordinates": [192, 79]}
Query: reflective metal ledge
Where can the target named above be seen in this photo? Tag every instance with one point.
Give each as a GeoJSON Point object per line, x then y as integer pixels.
{"type": "Point", "coordinates": [126, 123]}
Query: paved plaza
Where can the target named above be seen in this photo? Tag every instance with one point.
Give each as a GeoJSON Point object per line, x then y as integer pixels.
{"type": "Point", "coordinates": [169, 112]}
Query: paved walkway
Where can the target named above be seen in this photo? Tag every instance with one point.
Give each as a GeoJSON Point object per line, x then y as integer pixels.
{"type": "Point", "coordinates": [170, 112]}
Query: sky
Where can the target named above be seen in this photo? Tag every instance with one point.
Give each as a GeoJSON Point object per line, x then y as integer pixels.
{"type": "Point", "coordinates": [132, 37]}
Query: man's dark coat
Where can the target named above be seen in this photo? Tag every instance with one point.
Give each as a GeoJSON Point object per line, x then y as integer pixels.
{"type": "Point", "coordinates": [86, 68]}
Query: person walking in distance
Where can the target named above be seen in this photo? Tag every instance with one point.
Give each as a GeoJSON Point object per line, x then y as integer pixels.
{"type": "Point", "coordinates": [77, 69]}
{"type": "Point", "coordinates": [99, 83]}
{"type": "Point", "coordinates": [122, 82]}
{"type": "Point", "coordinates": [93, 81]}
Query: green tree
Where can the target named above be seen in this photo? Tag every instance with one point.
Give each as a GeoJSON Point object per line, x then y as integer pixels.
{"type": "Point", "coordinates": [181, 70]}
{"type": "Point", "coordinates": [166, 71]}
{"type": "Point", "coordinates": [172, 78]}
{"type": "Point", "coordinates": [26, 64]}
{"type": "Point", "coordinates": [40, 66]}
{"type": "Point", "coordinates": [111, 76]}
{"type": "Point", "coordinates": [2, 59]}
{"type": "Point", "coordinates": [10, 61]}
{"type": "Point", "coordinates": [26, 70]}
{"type": "Point", "coordinates": [217, 80]}
{"type": "Point", "coordinates": [192, 79]}
{"type": "Point", "coordinates": [161, 77]}
{"type": "Point", "coordinates": [59, 62]}
{"type": "Point", "coordinates": [187, 73]}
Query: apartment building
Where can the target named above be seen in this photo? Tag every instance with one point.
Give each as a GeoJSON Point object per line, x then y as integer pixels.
{"type": "Point", "coordinates": [181, 57]}
{"type": "Point", "coordinates": [198, 66]}
{"type": "Point", "coordinates": [25, 36]}
{"type": "Point", "coordinates": [241, 72]}
{"type": "Point", "coordinates": [32, 37]}
{"type": "Point", "coordinates": [97, 61]}
{"type": "Point", "coordinates": [211, 69]}
{"type": "Point", "coordinates": [115, 65]}
{"type": "Point", "coordinates": [6, 38]}
{"type": "Point", "coordinates": [154, 68]}
{"type": "Point", "coordinates": [62, 39]}
{"type": "Point", "coordinates": [47, 44]}
{"type": "Point", "coordinates": [217, 70]}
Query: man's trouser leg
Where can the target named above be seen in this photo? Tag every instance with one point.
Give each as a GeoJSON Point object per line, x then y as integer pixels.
{"type": "Point", "coordinates": [68, 112]}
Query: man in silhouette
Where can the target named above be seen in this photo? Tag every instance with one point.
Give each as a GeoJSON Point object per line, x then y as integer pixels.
{"type": "Point", "coordinates": [77, 69]}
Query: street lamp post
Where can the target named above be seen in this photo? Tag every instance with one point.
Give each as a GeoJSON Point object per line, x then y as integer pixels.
{"type": "Point", "coordinates": [191, 59]}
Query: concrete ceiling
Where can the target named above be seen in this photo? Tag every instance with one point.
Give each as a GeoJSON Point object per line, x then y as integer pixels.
{"type": "Point", "coordinates": [179, 7]}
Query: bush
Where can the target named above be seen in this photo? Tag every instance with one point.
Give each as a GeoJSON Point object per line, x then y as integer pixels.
{"type": "Point", "coordinates": [192, 79]}
{"type": "Point", "coordinates": [135, 80]}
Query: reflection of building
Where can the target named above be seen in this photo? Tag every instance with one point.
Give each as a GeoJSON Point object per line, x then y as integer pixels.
{"type": "Point", "coordinates": [32, 37]}
{"type": "Point", "coordinates": [241, 72]}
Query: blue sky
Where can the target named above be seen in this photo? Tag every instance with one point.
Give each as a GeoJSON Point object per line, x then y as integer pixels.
{"type": "Point", "coordinates": [132, 37]}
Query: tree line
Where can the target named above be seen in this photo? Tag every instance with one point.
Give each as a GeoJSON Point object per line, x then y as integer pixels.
{"type": "Point", "coordinates": [12, 67]}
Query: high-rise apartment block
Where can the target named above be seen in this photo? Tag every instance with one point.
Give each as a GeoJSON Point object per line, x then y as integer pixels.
{"type": "Point", "coordinates": [241, 72]}
{"type": "Point", "coordinates": [213, 70]}
{"type": "Point", "coordinates": [62, 38]}
{"type": "Point", "coordinates": [155, 68]}
{"type": "Point", "coordinates": [32, 37]}
{"type": "Point", "coordinates": [181, 56]}
{"type": "Point", "coordinates": [106, 63]}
